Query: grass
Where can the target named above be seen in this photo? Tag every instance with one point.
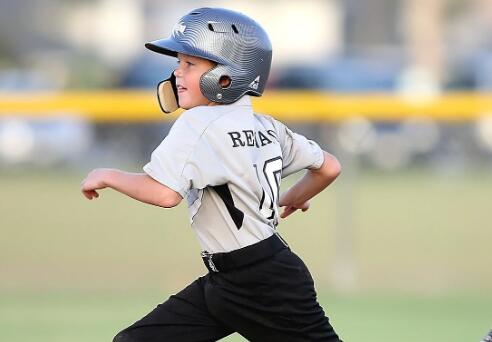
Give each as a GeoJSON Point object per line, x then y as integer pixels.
{"type": "Point", "coordinates": [417, 244]}
{"type": "Point", "coordinates": [99, 316]}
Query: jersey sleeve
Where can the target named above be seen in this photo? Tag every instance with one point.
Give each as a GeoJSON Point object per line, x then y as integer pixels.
{"type": "Point", "coordinates": [183, 161]}
{"type": "Point", "coordinates": [298, 152]}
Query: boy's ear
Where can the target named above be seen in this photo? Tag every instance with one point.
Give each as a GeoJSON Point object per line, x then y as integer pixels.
{"type": "Point", "coordinates": [167, 94]}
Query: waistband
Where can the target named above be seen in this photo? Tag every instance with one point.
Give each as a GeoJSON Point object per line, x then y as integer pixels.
{"type": "Point", "coordinates": [224, 262]}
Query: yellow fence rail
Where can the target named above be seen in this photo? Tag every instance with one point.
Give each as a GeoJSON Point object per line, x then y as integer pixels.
{"type": "Point", "coordinates": [141, 105]}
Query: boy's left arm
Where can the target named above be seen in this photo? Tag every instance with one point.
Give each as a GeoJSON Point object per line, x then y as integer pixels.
{"type": "Point", "coordinates": [139, 186]}
{"type": "Point", "coordinates": [311, 184]}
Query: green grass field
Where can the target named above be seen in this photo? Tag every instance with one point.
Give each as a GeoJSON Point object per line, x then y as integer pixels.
{"type": "Point", "coordinates": [74, 270]}
{"type": "Point", "coordinates": [82, 317]}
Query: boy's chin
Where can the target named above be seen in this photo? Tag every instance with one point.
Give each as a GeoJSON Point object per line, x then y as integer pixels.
{"type": "Point", "coordinates": [193, 105]}
{"type": "Point", "coordinates": [184, 105]}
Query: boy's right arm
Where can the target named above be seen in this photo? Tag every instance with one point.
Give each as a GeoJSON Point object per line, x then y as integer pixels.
{"type": "Point", "coordinates": [139, 186]}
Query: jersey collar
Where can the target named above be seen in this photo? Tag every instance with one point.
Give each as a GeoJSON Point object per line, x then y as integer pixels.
{"type": "Point", "coordinates": [243, 101]}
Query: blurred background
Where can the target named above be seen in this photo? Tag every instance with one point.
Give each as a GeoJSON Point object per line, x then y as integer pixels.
{"type": "Point", "coordinates": [399, 90]}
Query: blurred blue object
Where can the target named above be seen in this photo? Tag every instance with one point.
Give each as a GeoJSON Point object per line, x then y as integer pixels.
{"type": "Point", "coordinates": [342, 74]}
{"type": "Point", "coordinates": [25, 80]}
{"type": "Point", "coordinates": [483, 71]}
{"type": "Point", "coordinates": [147, 70]}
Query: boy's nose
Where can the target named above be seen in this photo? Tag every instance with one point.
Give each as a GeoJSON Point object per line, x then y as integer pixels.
{"type": "Point", "coordinates": [177, 72]}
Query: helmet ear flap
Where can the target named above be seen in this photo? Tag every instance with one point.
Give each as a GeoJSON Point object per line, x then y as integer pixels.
{"type": "Point", "coordinates": [217, 86]}
{"type": "Point", "coordinates": [167, 94]}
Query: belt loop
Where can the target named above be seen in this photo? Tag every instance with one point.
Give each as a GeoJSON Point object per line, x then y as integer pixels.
{"type": "Point", "coordinates": [209, 260]}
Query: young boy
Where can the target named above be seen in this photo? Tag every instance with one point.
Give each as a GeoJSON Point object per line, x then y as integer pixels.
{"type": "Point", "coordinates": [228, 162]}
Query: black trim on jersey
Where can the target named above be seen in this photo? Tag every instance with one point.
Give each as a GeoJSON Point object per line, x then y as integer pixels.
{"type": "Point", "coordinates": [262, 198]}
{"type": "Point", "coordinates": [277, 195]}
{"type": "Point", "coordinates": [262, 190]}
{"type": "Point", "coordinates": [226, 196]}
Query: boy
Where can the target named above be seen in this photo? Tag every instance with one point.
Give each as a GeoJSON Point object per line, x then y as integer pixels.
{"type": "Point", "coordinates": [228, 162]}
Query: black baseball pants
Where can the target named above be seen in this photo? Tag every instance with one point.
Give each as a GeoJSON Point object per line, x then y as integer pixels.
{"type": "Point", "coordinates": [272, 300]}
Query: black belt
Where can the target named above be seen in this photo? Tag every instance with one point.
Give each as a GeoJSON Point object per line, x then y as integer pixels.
{"type": "Point", "coordinates": [224, 262]}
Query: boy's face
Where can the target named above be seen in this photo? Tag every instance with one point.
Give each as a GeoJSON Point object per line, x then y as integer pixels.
{"type": "Point", "coordinates": [188, 74]}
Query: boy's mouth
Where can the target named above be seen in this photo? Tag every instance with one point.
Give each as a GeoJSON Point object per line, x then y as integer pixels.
{"type": "Point", "coordinates": [180, 88]}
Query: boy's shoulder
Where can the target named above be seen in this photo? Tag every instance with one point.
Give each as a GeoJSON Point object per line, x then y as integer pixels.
{"type": "Point", "coordinates": [268, 120]}
{"type": "Point", "coordinates": [197, 119]}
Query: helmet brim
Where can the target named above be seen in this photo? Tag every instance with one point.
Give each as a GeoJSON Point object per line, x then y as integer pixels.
{"type": "Point", "coordinates": [165, 46]}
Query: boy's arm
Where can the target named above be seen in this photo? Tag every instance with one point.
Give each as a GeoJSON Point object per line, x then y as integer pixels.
{"type": "Point", "coordinates": [311, 184]}
{"type": "Point", "coordinates": [139, 186]}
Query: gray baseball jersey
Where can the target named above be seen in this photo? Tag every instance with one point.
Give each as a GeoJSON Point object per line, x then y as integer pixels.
{"type": "Point", "coordinates": [228, 162]}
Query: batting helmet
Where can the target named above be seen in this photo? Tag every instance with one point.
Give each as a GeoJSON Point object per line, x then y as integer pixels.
{"type": "Point", "coordinates": [239, 45]}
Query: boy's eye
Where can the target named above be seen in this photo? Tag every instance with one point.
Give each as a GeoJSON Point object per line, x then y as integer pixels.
{"type": "Point", "coordinates": [186, 62]}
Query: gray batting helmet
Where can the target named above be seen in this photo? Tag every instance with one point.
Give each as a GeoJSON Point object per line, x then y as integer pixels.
{"type": "Point", "coordinates": [238, 44]}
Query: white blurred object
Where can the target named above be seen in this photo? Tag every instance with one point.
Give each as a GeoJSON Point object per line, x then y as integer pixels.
{"type": "Point", "coordinates": [300, 31]}
{"type": "Point", "coordinates": [16, 140]}
{"type": "Point", "coordinates": [391, 151]}
{"type": "Point", "coordinates": [418, 85]}
{"type": "Point", "coordinates": [344, 275]}
{"type": "Point", "coordinates": [483, 132]}
{"type": "Point", "coordinates": [422, 134]}
{"type": "Point", "coordinates": [112, 28]}
{"type": "Point", "coordinates": [43, 142]}
{"type": "Point", "coordinates": [357, 135]}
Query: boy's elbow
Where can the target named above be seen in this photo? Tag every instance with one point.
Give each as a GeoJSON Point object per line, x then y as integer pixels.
{"type": "Point", "coordinates": [158, 194]}
{"type": "Point", "coordinates": [331, 166]}
{"type": "Point", "coordinates": [170, 200]}
{"type": "Point", "coordinates": [336, 169]}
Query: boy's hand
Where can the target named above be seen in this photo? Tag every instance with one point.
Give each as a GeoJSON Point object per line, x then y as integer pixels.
{"type": "Point", "coordinates": [95, 180]}
{"type": "Point", "coordinates": [290, 208]}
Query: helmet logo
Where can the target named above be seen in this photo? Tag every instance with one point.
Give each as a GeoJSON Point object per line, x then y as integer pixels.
{"type": "Point", "coordinates": [254, 85]}
{"type": "Point", "coordinates": [179, 28]}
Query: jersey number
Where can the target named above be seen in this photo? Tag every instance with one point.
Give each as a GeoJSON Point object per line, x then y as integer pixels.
{"type": "Point", "coordinates": [272, 170]}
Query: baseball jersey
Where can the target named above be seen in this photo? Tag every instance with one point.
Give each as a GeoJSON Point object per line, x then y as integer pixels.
{"type": "Point", "coordinates": [228, 162]}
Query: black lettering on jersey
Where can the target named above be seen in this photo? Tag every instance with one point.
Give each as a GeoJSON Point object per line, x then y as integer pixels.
{"type": "Point", "coordinates": [272, 134]}
{"type": "Point", "coordinates": [236, 139]}
{"type": "Point", "coordinates": [264, 139]}
{"type": "Point", "coordinates": [250, 137]}
{"type": "Point", "coordinates": [225, 194]}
